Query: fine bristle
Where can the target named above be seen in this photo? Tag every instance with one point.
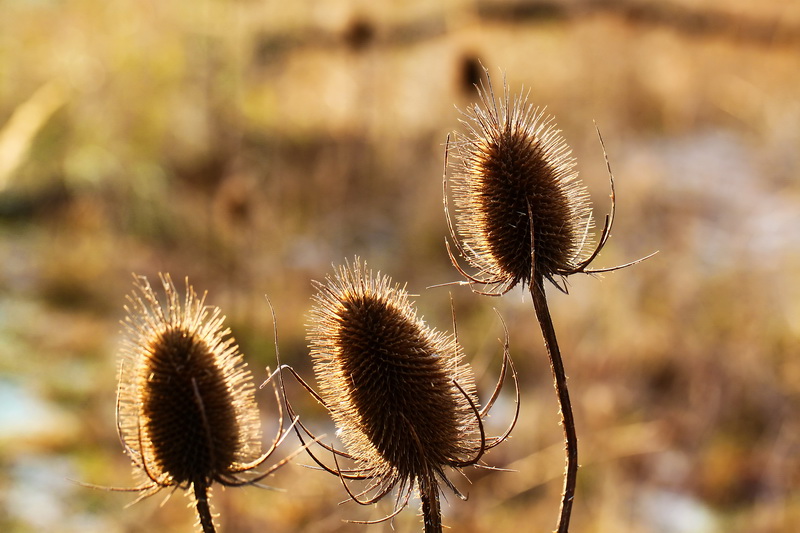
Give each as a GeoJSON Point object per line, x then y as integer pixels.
{"type": "Point", "coordinates": [517, 194]}
{"type": "Point", "coordinates": [387, 377]}
{"type": "Point", "coordinates": [186, 408]}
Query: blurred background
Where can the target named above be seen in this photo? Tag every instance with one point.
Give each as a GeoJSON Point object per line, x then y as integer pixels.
{"type": "Point", "coordinates": [250, 144]}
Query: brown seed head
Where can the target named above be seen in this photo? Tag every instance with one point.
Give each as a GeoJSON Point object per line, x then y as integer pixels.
{"type": "Point", "coordinates": [186, 408]}
{"type": "Point", "coordinates": [520, 208]}
{"type": "Point", "coordinates": [389, 380]}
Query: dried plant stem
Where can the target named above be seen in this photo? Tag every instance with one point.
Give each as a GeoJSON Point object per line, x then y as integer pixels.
{"type": "Point", "coordinates": [202, 506]}
{"type": "Point", "coordinates": [431, 511]}
{"type": "Point", "coordinates": [560, 382]}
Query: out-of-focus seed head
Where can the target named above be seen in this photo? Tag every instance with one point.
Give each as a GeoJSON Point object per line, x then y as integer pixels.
{"type": "Point", "coordinates": [186, 409]}
{"type": "Point", "coordinates": [520, 208]}
{"type": "Point", "coordinates": [388, 379]}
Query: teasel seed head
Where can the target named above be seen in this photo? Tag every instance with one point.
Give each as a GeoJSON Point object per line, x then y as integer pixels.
{"type": "Point", "coordinates": [520, 207]}
{"type": "Point", "coordinates": [522, 216]}
{"type": "Point", "coordinates": [388, 377]}
{"type": "Point", "coordinates": [186, 409]}
{"type": "Point", "coordinates": [402, 399]}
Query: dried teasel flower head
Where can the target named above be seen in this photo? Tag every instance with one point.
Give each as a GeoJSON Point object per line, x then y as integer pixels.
{"type": "Point", "coordinates": [522, 216]}
{"type": "Point", "coordinates": [403, 400]}
{"type": "Point", "coordinates": [186, 409]}
{"type": "Point", "coordinates": [520, 209]}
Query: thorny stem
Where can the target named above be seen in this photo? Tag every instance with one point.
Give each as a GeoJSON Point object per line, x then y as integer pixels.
{"type": "Point", "coordinates": [560, 382]}
{"type": "Point", "coordinates": [203, 508]}
{"type": "Point", "coordinates": [431, 512]}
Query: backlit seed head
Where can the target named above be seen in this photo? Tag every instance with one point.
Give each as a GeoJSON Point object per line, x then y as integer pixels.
{"type": "Point", "coordinates": [389, 381]}
{"type": "Point", "coordinates": [186, 409]}
{"type": "Point", "coordinates": [520, 207]}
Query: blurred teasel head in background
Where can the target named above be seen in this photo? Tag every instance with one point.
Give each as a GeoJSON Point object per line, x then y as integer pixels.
{"type": "Point", "coordinates": [520, 209]}
{"type": "Point", "coordinates": [186, 409]}
{"type": "Point", "coordinates": [401, 396]}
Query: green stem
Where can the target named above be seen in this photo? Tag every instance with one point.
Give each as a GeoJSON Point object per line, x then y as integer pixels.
{"type": "Point", "coordinates": [560, 382]}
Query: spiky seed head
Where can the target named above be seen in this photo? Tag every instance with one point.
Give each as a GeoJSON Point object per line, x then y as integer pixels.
{"type": "Point", "coordinates": [517, 194]}
{"type": "Point", "coordinates": [186, 408]}
{"type": "Point", "coordinates": [388, 379]}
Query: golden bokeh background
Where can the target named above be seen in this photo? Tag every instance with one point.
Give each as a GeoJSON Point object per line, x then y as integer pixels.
{"type": "Point", "coordinates": [250, 145]}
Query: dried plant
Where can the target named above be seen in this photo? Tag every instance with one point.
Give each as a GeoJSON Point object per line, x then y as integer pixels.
{"type": "Point", "coordinates": [522, 216]}
{"type": "Point", "coordinates": [403, 400]}
{"type": "Point", "coordinates": [186, 410]}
